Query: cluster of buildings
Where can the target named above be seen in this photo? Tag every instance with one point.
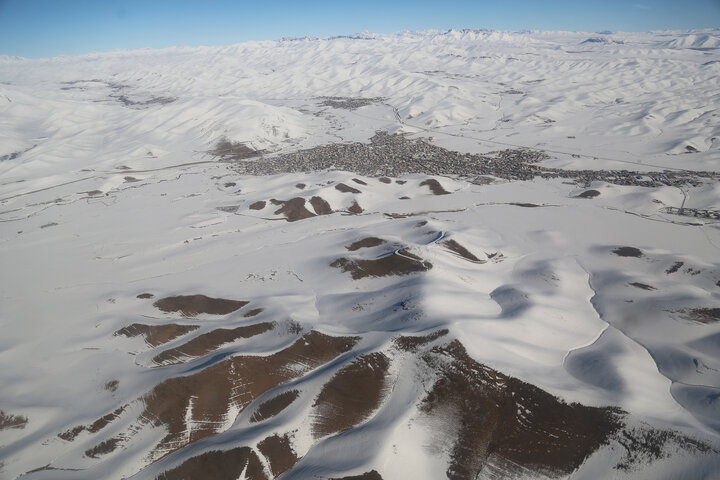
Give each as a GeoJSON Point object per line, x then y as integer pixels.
{"type": "Point", "coordinates": [393, 155]}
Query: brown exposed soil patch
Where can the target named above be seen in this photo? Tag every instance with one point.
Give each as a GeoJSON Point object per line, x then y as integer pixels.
{"type": "Point", "coordinates": [131, 179]}
{"type": "Point", "coordinates": [365, 243]}
{"type": "Point", "coordinates": [111, 386]}
{"type": "Point", "coordinates": [675, 267]}
{"type": "Point", "coordinates": [228, 150]}
{"type": "Point", "coordinates": [435, 186]}
{"type": "Point", "coordinates": [358, 181]}
{"type": "Point", "coordinates": [415, 214]}
{"type": "Point", "coordinates": [202, 400]}
{"type": "Point", "coordinates": [514, 425]}
{"type": "Point", "coordinates": [705, 315]}
{"type": "Point", "coordinates": [103, 421]}
{"type": "Point", "coordinates": [71, 434]}
{"type": "Point", "coordinates": [645, 445]}
{"type": "Point", "coordinates": [355, 208]}
{"type": "Point", "coordinates": [208, 342]}
{"type": "Point", "coordinates": [8, 421]}
{"type": "Point", "coordinates": [401, 262]}
{"type": "Point", "coordinates": [145, 296]}
{"type": "Point", "coordinates": [279, 453]}
{"type": "Point", "coordinates": [628, 252]}
{"type": "Point", "coordinates": [229, 208]}
{"type": "Point", "coordinates": [525, 205]}
{"type": "Point", "coordinates": [401, 182]}
{"type": "Point", "coordinates": [385, 180]}
{"type": "Point", "coordinates": [191, 305]}
{"type": "Point", "coordinates": [371, 475]}
{"type": "Point", "coordinates": [96, 426]}
{"type": "Point", "coordinates": [351, 395]}
{"type": "Point", "coordinates": [217, 465]}
{"type": "Point", "coordinates": [253, 312]}
{"type": "Point", "coordinates": [588, 194]}
{"type": "Point", "coordinates": [463, 252]}
{"type": "Point", "coordinates": [642, 286]}
{"type": "Point", "coordinates": [320, 206]}
{"type": "Point", "coordinates": [300, 186]}
{"type": "Point", "coordinates": [274, 406]}
{"type": "Point", "coordinates": [156, 334]}
{"type": "Point", "coordinates": [293, 209]}
{"type": "Point", "coordinates": [346, 188]}
{"type": "Point", "coordinates": [94, 193]}
{"type": "Point", "coordinates": [103, 448]}
{"type": "Point", "coordinates": [259, 205]}
{"type": "Point", "coordinates": [412, 343]}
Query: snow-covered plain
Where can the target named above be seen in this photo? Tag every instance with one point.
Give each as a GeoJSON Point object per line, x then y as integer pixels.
{"type": "Point", "coordinates": [108, 192]}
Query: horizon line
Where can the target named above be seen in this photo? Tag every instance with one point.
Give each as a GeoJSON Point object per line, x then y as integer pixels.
{"type": "Point", "coordinates": [358, 36]}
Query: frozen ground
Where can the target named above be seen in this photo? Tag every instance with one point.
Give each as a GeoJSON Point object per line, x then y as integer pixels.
{"type": "Point", "coordinates": [400, 324]}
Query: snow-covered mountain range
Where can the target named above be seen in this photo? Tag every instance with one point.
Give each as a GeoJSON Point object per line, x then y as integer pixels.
{"type": "Point", "coordinates": [462, 254]}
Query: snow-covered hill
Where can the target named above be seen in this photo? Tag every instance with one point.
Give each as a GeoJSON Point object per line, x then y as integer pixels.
{"type": "Point", "coordinates": [462, 254]}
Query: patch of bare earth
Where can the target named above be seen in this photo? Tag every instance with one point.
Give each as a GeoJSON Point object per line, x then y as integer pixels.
{"type": "Point", "coordinates": [400, 262]}
{"type": "Point", "coordinates": [229, 208]}
{"type": "Point", "coordinates": [8, 421]}
{"type": "Point", "coordinates": [279, 453]}
{"type": "Point", "coordinates": [145, 296]}
{"type": "Point", "coordinates": [371, 475]}
{"type": "Point", "coordinates": [355, 208]}
{"type": "Point", "coordinates": [358, 181]}
{"type": "Point", "coordinates": [96, 426]}
{"type": "Point", "coordinates": [320, 206]}
{"type": "Point", "coordinates": [217, 465]}
{"type": "Point", "coordinates": [435, 186]}
{"type": "Point", "coordinates": [253, 312]}
{"type": "Point", "coordinates": [411, 343]}
{"type": "Point", "coordinates": [367, 242]}
{"type": "Point", "coordinates": [346, 188]}
{"type": "Point", "coordinates": [293, 209]}
{"type": "Point", "coordinates": [351, 395]}
{"type": "Point", "coordinates": [704, 315]}
{"type": "Point", "coordinates": [493, 419]}
{"type": "Point", "coordinates": [259, 205]}
{"type": "Point", "coordinates": [463, 252]}
{"type": "Point", "coordinates": [191, 305]}
{"type": "Point", "coordinates": [208, 342]}
{"type": "Point", "coordinates": [645, 445]}
{"type": "Point", "coordinates": [385, 180]}
{"type": "Point", "coordinates": [674, 268]}
{"type": "Point", "coordinates": [228, 150]}
{"type": "Point", "coordinates": [349, 103]}
{"type": "Point", "coordinates": [628, 252]}
{"type": "Point", "coordinates": [275, 405]}
{"type": "Point", "coordinates": [588, 194]}
{"type": "Point", "coordinates": [195, 406]}
{"type": "Point", "coordinates": [103, 448]}
{"type": "Point", "coordinates": [156, 334]}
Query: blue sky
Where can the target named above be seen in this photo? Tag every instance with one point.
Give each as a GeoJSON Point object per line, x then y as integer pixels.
{"type": "Point", "coordinates": [44, 28]}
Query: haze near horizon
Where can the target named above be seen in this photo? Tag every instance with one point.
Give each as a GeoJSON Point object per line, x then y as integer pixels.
{"type": "Point", "coordinates": [42, 28]}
